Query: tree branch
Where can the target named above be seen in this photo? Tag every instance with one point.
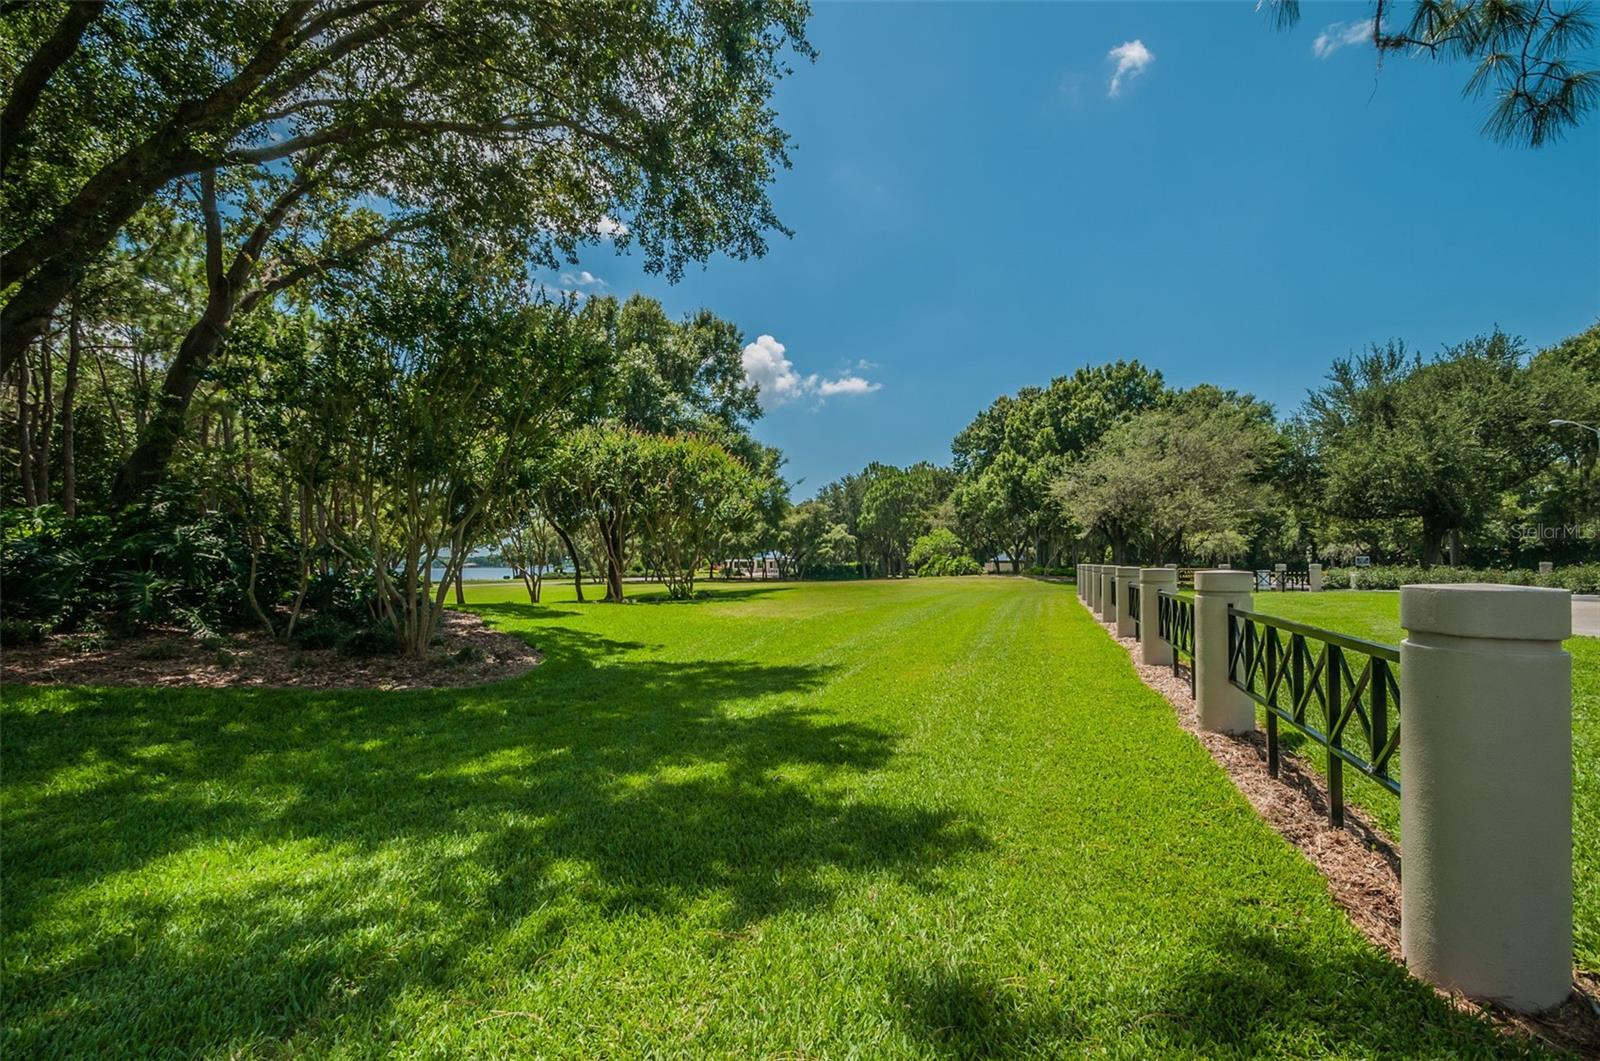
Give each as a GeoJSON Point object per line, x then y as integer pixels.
{"type": "Point", "coordinates": [30, 81]}
{"type": "Point", "coordinates": [324, 263]}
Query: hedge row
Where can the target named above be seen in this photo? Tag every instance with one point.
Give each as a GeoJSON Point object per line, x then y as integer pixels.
{"type": "Point", "coordinates": [1580, 578]}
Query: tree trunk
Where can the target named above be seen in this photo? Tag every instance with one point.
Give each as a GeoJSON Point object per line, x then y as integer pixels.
{"type": "Point", "coordinates": [611, 538]}
{"type": "Point", "coordinates": [44, 419]}
{"type": "Point", "coordinates": [148, 461]}
{"type": "Point", "coordinates": [30, 494]}
{"type": "Point", "coordinates": [1432, 543]}
{"type": "Point", "coordinates": [461, 596]}
{"type": "Point", "coordinates": [577, 565]}
{"type": "Point", "coordinates": [224, 285]}
{"type": "Point", "coordinates": [1455, 546]}
{"type": "Point", "coordinates": [69, 393]}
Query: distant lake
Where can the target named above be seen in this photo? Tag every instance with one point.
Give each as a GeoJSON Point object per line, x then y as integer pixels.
{"type": "Point", "coordinates": [476, 573]}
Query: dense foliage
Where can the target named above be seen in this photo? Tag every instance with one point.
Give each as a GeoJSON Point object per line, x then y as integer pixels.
{"type": "Point", "coordinates": [272, 350]}
{"type": "Point", "coordinates": [1396, 457]}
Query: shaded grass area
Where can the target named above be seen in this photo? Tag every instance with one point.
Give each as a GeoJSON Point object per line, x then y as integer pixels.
{"type": "Point", "coordinates": [1376, 615]}
{"type": "Point", "coordinates": [891, 819]}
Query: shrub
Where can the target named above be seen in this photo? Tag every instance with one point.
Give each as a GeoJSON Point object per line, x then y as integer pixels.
{"type": "Point", "coordinates": [373, 639]}
{"type": "Point", "coordinates": [468, 654]}
{"type": "Point", "coordinates": [14, 632]}
{"type": "Point", "coordinates": [1579, 578]}
{"type": "Point", "coordinates": [51, 566]}
{"type": "Point", "coordinates": [949, 565]}
{"type": "Point", "coordinates": [347, 593]}
{"type": "Point", "coordinates": [168, 560]}
{"type": "Point", "coordinates": [320, 631]}
{"type": "Point", "coordinates": [940, 552]}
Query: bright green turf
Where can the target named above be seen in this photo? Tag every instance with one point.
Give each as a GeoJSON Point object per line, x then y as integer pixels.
{"type": "Point", "coordinates": [881, 819]}
{"type": "Point", "coordinates": [1376, 615]}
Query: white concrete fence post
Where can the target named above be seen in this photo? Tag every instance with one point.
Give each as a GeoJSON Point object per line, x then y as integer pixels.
{"type": "Point", "coordinates": [1222, 708]}
{"type": "Point", "coordinates": [1314, 577]}
{"type": "Point", "coordinates": [1152, 581]}
{"type": "Point", "coordinates": [1092, 596]}
{"type": "Point", "coordinates": [1108, 593]}
{"type": "Point", "coordinates": [1546, 567]}
{"type": "Point", "coordinates": [1486, 798]}
{"type": "Point", "coordinates": [1077, 580]}
{"type": "Point", "coordinates": [1127, 587]}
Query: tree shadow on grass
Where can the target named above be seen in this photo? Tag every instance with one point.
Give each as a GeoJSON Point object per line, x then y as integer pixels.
{"type": "Point", "coordinates": [196, 869]}
{"type": "Point", "coordinates": [964, 1012]}
{"type": "Point", "coordinates": [1246, 990]}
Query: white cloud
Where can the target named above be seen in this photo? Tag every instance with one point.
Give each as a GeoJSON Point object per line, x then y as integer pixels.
{"type": "Point", "coordinates": [767, 366]}
{"type": "Point", "coordinates": [610, 228]}
{"type": "Point", "coordinates": [1338, 35]}
{"type": "Point", "coordinates": [846, 385]}
{"type": "Point", "coordinates": [1132, 57]}
{"type": "Point", "coordinates": [581, 278]}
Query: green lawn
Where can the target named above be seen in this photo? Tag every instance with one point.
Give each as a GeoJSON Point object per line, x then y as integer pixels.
{"type": "Point", "coordinates": [1376, 615]}
{"type": "Point", "coordinates": [880, 819]}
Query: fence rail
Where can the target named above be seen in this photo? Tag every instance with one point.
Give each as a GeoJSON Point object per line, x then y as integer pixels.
{"type": "Point", "coordinates": [1132, 605]}
{"type": "Point", "coordinates": [1305, 676]}
{"type": "Point", "coordinates": [1283, 580]}
{"type": "Point", "coordinates": [1175, 626]}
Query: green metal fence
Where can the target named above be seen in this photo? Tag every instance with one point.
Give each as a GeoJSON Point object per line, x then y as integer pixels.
{"type": "Point", "coordinates": [1175, 626]}
{"type": "Point", "coordinates": [1341, 692]}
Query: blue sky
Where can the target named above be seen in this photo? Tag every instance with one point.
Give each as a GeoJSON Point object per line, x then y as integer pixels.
{"type": "Point", "coordinates": [975, 211]}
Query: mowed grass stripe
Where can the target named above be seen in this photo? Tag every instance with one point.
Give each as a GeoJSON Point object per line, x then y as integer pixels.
{"type": "Point", "coordinates": [886, 819]}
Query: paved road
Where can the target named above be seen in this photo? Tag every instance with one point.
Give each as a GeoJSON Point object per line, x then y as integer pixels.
{"type": "Point", "coordinates": [1586, 616]}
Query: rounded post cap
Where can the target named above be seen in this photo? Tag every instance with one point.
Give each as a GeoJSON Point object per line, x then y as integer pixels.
{"type": "Point", "coordinates": [1224, 581]}
{"type": "Point", "coordinates": [1165, 575]}
{"type": "Point", "coordinates": [1475, 609]}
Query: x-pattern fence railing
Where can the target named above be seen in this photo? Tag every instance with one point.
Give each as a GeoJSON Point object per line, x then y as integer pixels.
{"type": "Point", "coordinates": [1175, 626]}
{"type": "Point", "coordinates": [1283, 580]}
{"type": "Point", "coordinates": [1341, 692]}
{"type": "Point", "coordinates": [1132, 604]}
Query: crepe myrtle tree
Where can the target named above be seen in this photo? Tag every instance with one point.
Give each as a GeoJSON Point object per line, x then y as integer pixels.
{"type": "Point", "coordinates": [538, 126]}
{"type": "Point", "coordinates": [602, 470]}
{"type": "Point", "coordinates": [445, 381]}
{"type": "Point", "coordinates": [530, 546]}
{"type": "Point", "coordinates": [666, 377]}
{"type": "Point", "coordinates": [694, 495]}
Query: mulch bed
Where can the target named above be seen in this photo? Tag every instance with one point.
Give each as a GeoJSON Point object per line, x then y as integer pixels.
{"type": "Point", "coordinates": [253, 660]}
{"type": "Point", "coordinates": [1361, 864]}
